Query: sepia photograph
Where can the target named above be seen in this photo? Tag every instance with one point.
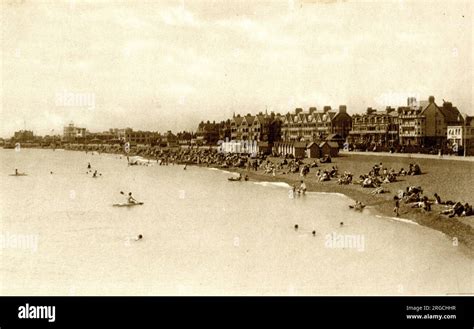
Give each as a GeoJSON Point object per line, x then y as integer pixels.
{"type": "Point", "coordinates": [236, 148]}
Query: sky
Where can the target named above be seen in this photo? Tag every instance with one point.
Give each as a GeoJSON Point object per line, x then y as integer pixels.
{"type": "Point", "coordinates": [157, 65]}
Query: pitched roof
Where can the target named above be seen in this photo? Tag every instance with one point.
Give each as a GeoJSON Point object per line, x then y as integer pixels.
{"type": "Point", "coordinates": [331, 144]}
{"type": "Point", "coordinates": [334, 136]}
{"type": "Point", "coordinates": [451, 114]}
{"type": "Point", "coordinates": [300, 144]}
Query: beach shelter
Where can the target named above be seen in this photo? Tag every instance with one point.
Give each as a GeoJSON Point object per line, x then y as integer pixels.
{"type": "Point", "coordinates": [313, 150]}
{"type": "Point", "coordinates": [299, 150]}
{"type": "Point", "coordinates": [264, 147]}
{"type": "Point", "coordinates": [336, 138]}
{"type": "Point", "coordinates": [329, 148]}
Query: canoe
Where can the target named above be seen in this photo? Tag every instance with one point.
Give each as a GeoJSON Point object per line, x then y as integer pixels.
{"type": "Point", "coordinates": [232, 179]}
{"type": "Point", "coordinates": [21, 174]}
{"type": "Point", "coordinates": [127, 204]}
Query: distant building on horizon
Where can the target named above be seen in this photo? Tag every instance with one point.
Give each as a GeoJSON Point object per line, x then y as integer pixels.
{"type": "Point", "coordinates": [23, 136]}
{"type": "Point", "coordinates": [72, 133]}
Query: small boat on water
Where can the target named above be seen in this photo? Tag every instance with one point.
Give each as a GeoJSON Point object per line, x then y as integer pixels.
{"type": "Point", "coordinates": [358, 207]}
{"type": "Point", "coordinates": [127, 204]}
{"type": "Point", "coordinates": [19, 174]}
{"type": "Point", "coordinates": [234, 179]}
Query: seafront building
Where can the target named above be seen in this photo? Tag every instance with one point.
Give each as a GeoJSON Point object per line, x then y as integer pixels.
{"type": "Point", "coordinates": [426, 124]}
{"type": "Point", "coordinates": [315, 126]}
{"type": "Point", "coordinates": [437, 121]}
{"type": "Point", "coordinates": [208, 132]}
{"type": "Point", "coordinates": [260, 127]}
{"type": "Point", "coordinates": [375, 128]}
{"type": "Point", "coordinates": [73, 134]}
{"type": "Point", "coordinates": [461, 137]}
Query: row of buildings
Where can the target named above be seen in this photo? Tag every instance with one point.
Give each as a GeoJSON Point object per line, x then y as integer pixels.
{"type": "Point", "coordinates": [417, 126]}
{"type": "Point", "coordinates": [73, 134]}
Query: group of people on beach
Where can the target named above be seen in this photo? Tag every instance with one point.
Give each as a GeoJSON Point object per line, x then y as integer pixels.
{"type": "Point", "coordinates": [413, 195]}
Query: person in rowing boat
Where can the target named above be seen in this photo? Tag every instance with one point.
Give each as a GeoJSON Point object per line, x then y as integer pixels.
{"type": "Point", "coordinates": [131, 199]}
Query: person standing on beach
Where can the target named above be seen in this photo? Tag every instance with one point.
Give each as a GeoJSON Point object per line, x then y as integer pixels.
{"type": "Point", "coordinates": [396, 210]}
{"type": "Point", "coordinates": [303, 188]}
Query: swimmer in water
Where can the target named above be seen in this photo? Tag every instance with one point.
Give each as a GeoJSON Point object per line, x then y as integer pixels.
{"type": "Point", "coordinates": [139, 237]}
{"type": "Point", "coordinates": [296, 227]}
{"type": "Point", "coordinates": [341, 224]}
{"type": "Point", "coordinates": [314, 233]}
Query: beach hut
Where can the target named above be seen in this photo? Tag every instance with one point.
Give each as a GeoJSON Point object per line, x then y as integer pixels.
{"type": "Point", "coordinates": [337, 139]}
{"type": "Point", "coordinates": [313, 150]}
{"type": "Point", "coordinates": [264, 147]}
{"type": "Point", "coordinates": [329, 148]}
{"type": "Point", "coordinates": [299, 150]}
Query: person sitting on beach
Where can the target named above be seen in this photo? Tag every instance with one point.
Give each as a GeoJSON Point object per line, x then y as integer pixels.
{"type": "Point", "coordinates": [367, 182]}
{"type": "Point", "coordinates": [325, 176]}
{"type": "Point", "coordinates": [456, 209]}
{"type": "Point", "coordinates": [416, 169]}
{"type": "Point", "coordinates": [437, 199]}
{"type": "Point", "coordinates": [467, 210]}
{"type": "Point", "coordinates": [402, 172]}
{"type": "Point", "coordinates": [333, 172]}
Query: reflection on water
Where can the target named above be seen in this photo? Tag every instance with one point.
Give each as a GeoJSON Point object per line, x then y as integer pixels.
{"type": "Point", "coordinates": [202, 235]}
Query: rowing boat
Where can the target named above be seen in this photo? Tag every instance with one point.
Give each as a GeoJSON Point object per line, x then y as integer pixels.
{"type": "Point", "coordinates": [127, 204]}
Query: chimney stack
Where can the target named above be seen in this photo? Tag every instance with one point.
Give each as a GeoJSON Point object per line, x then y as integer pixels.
{"type": "Point", "coordinates": [327, 108]}
{"type": "Point", "coordinates": [431, 99]}
{"type": "Point", "coordinates": [298, 110]}
{"type": "Point", "coordinates": [312, 110]}
{"type": "Point", "coordinates": [342, 109]}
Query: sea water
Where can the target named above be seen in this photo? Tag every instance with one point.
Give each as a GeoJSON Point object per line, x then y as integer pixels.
{"type": "Point", "coordinates": [202, 234]}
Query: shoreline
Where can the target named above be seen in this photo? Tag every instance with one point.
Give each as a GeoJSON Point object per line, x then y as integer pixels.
{"type": "Point", "coordinates": [451, 227]}
{"type": "Point", "coordinates": [379, 204]}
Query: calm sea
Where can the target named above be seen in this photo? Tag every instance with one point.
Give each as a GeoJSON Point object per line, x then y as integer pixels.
{"type": "Point", "coordinates": [60, 235]}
